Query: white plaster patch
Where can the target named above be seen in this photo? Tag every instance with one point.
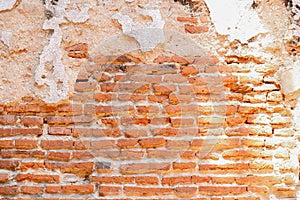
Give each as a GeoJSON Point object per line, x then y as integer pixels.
{"type": "Point", "coordinates": [148, 35]}
{"type": "Point", "coordinates": [6, 37]}
{"type": "Point", "coordinates": [78, 14]}
{"type": "Point", "coordinates": [235, 18]}
{"type": "Point", "coordinates": [7, 4]}
{"type": "Point", "coordinates": [290, 80]}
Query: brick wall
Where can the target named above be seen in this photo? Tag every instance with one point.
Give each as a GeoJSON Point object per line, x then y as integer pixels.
{"type": "Point", "coordinates": [179, 127]}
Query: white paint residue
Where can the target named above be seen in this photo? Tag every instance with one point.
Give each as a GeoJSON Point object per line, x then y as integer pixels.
{"type": "Point", "coordinates": [235, 18]}
{"type": "Point", "coordinates": [5, 37]}
{"type": "Point", "coordinates": [149, 34]}
{"type": "Point", "coordinates": [7, 4]}
{"type": "Point", "coordinates": [79, 14]}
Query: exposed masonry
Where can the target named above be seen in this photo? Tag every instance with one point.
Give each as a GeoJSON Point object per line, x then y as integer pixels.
{"type": "Point", "coordinates": [51, 71]}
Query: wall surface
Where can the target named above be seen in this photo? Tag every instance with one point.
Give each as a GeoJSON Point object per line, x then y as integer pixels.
{"type": "Point", "coordinates": [137, 99]}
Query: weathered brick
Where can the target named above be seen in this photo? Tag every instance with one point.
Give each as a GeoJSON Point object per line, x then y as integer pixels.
{"type": "Point", "coordinates": [112, 179]}
{"type": "Point", "coordinates": [8, 190]}
{"type": "Point", "coordinates": [78, 189]}
{"type": "Point", "coordinates": [26, 144]}
{"type": "Point", "coordinates": [185, 192]}
{"type": "Point", "coordinates": [3, 178]}
{"type": "Point", "coordinates": [144, 168]}
{"type": "Point", "coordinates": [147, 191]}
{"type": "Point", "coordinates": [152, 142]}
{"type": "Point", "coordinates": [37, 178]}
{"type": "Point", "coordinates": [147, 180]}
{"type": "Point", "coordinates": [32, 190]}
{"type": "Point", "coordinates": [109, 190]}
{"type": "Point", "coordinates": [195, 29]}
{"type": "Point", "coordinates": [59, 156]}
{"type": "Point", "coordinates": [81, 169]}
{"type": "Point", "coordinates": [222, 190]}
{"type": "Point", "coordinates": [56, 144]}
{"type": "Point", "coordinates": [192, 20]}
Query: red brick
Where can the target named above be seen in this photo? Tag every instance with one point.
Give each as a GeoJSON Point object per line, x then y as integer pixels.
{"type": "Point", "coordinates": [53, 189]}
{"type": "Point", "coordinates": [26, 144]}
{"type": "Point", "coordinates": [7, 144]}
{"type": "Point", "coordinates": [8, 120]}
{"type": "Point", "coordinates": [32, 190]}
{"type": "Point", "coordinates": [104, 97]}
{"type": "Point", "coordinates": [177, 144]}
{"type": "Point", "coordinates": [111, 122]}
{"type": "Point", "coordinates": [106, 111]}
{"type": "Point", "coordinates": [258, 180]}
{"type": "Point", "coordinates": [162, 154]}
{"type": "Point", "coordinates": [61, 131]}
{"type": "Point", "coordinates": [162, 59]}
{"type": "Point", "coordinates": [195, 29]}
{"type": "Point", "coordinates": [142, 121]}
{"type": "Point", "coordinates": [144, 168]}
{"type": "Point", "coordinates": [27, 131]}
{"type": "Point", "coordinates": [224, 168]}
{"type": "Point", "coordinates": [23, 154]}
{"type": "Point", "coordinates": [185, 192]}
{"type": "Point", "coordinates": [59, 156]}
{"type": "Point", "coordinates": [85, 86]}
{"type": "Point", "coordinates": [188, 70]}
{"type": "Point", "coordinates": [127, 143]}
{"type": "Point", "coordinates": [81, 169]}
{"type": "Point", "coordinates": [9, 164]}
{"type": "Point", "coordinates": [32, 121]}
{"type": "Point", "coordinates": [177, 180]}
{"type": "Point", "coordinates": [152, 142]}
{"type": "Point", "coordinates": [192, 20]}
{"type": "Point", "coordinates": [222, 190]}
{"type": "Point", "coordinates": [56, 144]}
{"type": "Point", "coordinates": [262, 190]}
{"type": "Point", "coordinates": [180, 98]}
{"type": "Point", "coordinates": [146, 191]}
{"type": "Point", "coordinates": [241, 154]}
{"type": "Point", "coordinates": [222, 180]}
{"type": "Point", "coordinates": [78, 189]}
{"type": "Point", "coordinates": [184, 166]}
{"type": "Point", "coordinates": [182, 122]}
{"type": "Point", "coordinates": [109, 190]}
{"type": "Point", "coordinates": [9, 190]}
{"type": "Point", "coordinates": [127, 154]}
{"type": "Point", "coordinates": [111, 179]}
{"type": "Point", "coordinates": [96, 132]}
{"type": "Point", "coordinates": [146, 180]}
{"type": "Point", "coordinates": [135, 133]}
{"type": "Point", "coordinates": [79, 50]}
{"type": "Point", "coordinates": [165, 89]}
{"type": "Point", "coordinates": [31, 165]}
{"type": "Point", "coordinates": [3, 178]}
{"type": "Point", "coordinates": [145, 78]}
{"type": "Point", "coordinates": [153, 69]}
{"type": "Point", "coordinates": [101, 77]}
{"type": "Point", "coordinates": [37, 178]}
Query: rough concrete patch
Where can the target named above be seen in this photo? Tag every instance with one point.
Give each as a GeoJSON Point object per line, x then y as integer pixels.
{"type": "Point", "coordinates": [149, 34]}
{"type": "Point", "coordinates": [7, 4]}
{"type": "Point", "coordinates": [235, 18]}
{"type": "Point", "coordinates": [5, 37]}
{"type": "Point", "coordinates": [290, 82]}
{"type": "Point", "coordinates": [182, 45]}
{"type": "Point", "coordinates": [78, 14]}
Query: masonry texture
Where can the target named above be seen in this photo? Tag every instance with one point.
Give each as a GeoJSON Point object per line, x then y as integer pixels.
{"type": "Point", "coordinates": [149, 100]}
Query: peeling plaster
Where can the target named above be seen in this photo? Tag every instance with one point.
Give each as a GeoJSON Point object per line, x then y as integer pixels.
{"type": "Point", "coordinates": [149, 35]}
{"type": "Point", "coordinates": [289, 79]}
{"type": "Point", "coordinates": [78, 15]}
{"type": "Point", "coordinates": [235, 18]}
{"type": "Point", "coordinates": [51, 71]}
{"type": "Point", "coordinates": [7, 4]}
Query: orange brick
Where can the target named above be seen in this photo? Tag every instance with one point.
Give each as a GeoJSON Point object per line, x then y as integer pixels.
{"type": "Point", "coordinates": [7, 144]}
{"type": "Point", "coordinates": [222, 190]}
{"type": "Point", "coordinates": [109, 190]}
{"type": "Point", "coordinates": [78, 189]}
{"type": "Point", "coordinates": [81, 169]}
{"type": "Point", "coordinates": [185, 192]}
{"type": "Point", "coordinates": [37, 178]}
{"type": "Point", "coordinates": [26, 144]}
{"type": "Point", "coordinates": [152, 142]}
{"type": "Point", "coordinates": [127, 143]}
{"type": "Point", "coordinates": [3, 178]}
{"type": "Point", "coordinates": [112, 179]}
{"type": "Point", "coordinates": [146, 180]}
{"type": "Point", "coordinates": [144, 168]}
{"type": "Point", "coordinates": [57, 144]}
{"type": "Point", "coordinates": [31, 190]}
{"type": "Point", "coordinates": [146, 191]}
{"type": "Point", "coordinates": [195, 29]}
{"type": "Point", "coordinates": [184, 166]}
{"type": "Point", "coordinates": [192, 20]}
{"type": "Point", "coordinates": [8, 190]}
{"type": "Point", "coordinates": [59, 156]}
